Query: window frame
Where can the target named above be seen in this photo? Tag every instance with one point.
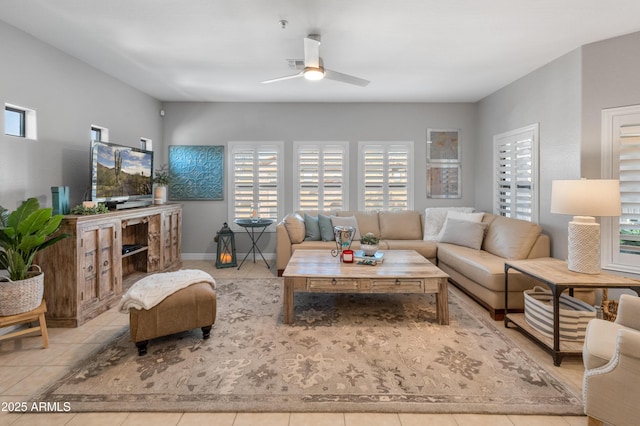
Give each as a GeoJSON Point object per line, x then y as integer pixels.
{"type": "Point", "coordinates": [102, 131]}
{"type": "Point", "coordinates": [511, 137]}
{"type": "Point", "coordinates": [613, 119]}
{"type": "Point", "coordinates": [258, 147]}
{"type": "Point", "coordinates": [22, 121]}
{"type": "Point", "coordinates": [386, 145]}
{"type": "Point", "coordinates": [28, 122]}
{"type": "Point", "coordinates": [323, 149]}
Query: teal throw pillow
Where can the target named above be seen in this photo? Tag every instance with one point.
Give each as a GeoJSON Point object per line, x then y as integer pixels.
{"type": "Point", "coordinates": [312, 229]}
{"type": "Point", "coordinates": [326, 228]}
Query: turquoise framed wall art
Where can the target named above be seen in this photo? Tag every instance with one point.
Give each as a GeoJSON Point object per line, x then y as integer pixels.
{"type": "Point", "coordinates": [197, 172]}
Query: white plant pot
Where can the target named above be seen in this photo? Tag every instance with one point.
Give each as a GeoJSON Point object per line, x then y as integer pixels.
{"type": "Point", "coordinates": [369, 249]}
{"type": "Point", "coordinates": [160, 195]}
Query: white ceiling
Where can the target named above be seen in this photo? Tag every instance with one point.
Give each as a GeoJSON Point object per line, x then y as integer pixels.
{"type": "Point", "coordinates": [410, 50]}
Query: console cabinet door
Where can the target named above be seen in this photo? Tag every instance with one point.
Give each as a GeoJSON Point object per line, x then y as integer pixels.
{"type": "Point", "coordinates": [171, 224]}
{"type": "Point", "coordinates": [101, 266]}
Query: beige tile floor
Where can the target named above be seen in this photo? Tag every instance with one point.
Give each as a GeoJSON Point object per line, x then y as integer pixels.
{"type": "Point", "coordinates": [25, 367]}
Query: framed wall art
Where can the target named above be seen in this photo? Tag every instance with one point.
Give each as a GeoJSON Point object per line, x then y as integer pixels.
{"type": "Point", "coordinates": [197, 172]}
{"type": "Point", "coordinates": [443, 145]}
{"type": "Point", "coordinates": [443, 181]}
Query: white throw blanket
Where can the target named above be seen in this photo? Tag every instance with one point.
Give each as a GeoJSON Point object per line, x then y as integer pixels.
{"type": "Point", "coordinates": [153, 289]}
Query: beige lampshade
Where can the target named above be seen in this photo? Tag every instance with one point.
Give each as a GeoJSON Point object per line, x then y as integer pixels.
{"type": "Point", "coordinates": [586, 197]}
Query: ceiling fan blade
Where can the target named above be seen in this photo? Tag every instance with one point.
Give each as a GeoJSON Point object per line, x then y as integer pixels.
{"type": "Point", "coordinates": [345, 78]}
{"type": "Point", "coordinates": [288, 77]}
{"type": "Point", "coordinates": [312, 51]}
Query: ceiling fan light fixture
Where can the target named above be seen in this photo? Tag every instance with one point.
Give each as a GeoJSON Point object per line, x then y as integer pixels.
{"type": "Point", "coordinates": [313, 74]}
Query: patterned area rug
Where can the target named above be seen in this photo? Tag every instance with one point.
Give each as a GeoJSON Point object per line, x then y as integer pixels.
{"type": "Point", "coordinates": [344, 353]}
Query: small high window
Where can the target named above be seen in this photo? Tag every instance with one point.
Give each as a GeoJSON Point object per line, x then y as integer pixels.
{"type": "Point", "coordinates": [100, 134]}
{"type": "Point", "coordinates": [19, 121]}
{"type": "Point", "coordinates": [14, 122]}
{"type": "Point", "coordinates": [146, 144]}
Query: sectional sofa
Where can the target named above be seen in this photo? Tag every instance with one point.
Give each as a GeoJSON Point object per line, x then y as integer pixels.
{"type": "Point", "coordinates": [471, 248]}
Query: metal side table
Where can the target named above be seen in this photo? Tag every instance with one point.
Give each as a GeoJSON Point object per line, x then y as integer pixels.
{"type": "Point", "coordinates": [555, 274]}
{"type": "Point", "coordinates": [251, 227]}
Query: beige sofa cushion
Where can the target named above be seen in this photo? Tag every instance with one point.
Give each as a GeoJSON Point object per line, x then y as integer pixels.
{"type": "Point", "coordinates": [510, 238]}
{"type": "Point", "coordinates": [294, 224]}
{"type": "Point", "coordinates": [428, 249]}
{"type": "Point", "coordinates": [367, 221]}
{"type": "Point", "coordinates": [483, 268]}
{"type": "Point", "coordinates": [463, 233]}
{"type": "Point", "coordinates": [401, 225]}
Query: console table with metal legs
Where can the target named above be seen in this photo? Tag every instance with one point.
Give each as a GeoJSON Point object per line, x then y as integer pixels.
{"type": "Point", "coordinates": [556, 274]}
{"type": "Point", "coordinates": [251, 226]}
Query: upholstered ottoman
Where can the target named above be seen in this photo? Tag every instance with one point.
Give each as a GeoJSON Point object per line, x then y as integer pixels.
{"type": "Point", "coordinates": [191, 306]}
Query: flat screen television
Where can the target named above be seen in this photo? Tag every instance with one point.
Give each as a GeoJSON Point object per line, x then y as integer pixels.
{"type": "Point", "coordinates": [121, 175]}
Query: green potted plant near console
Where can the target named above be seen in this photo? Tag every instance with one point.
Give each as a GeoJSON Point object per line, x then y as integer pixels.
{"type": "Point", "coordinates": [369, 244]}
{"type": "Point", "coordinates": [23, 233]}
{"type": "Point", "coordinates": [162, 179]}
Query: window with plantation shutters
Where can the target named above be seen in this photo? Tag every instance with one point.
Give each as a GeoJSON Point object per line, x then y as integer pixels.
{"type": "Point", "coordinates": [515, 160]}
{"type": "Point", "coordinates": [385, 176]}
{"type": "Point", "coordinates": [321, 176]}
{"type": "Point", "coordinates": [255, 179]}
{"type": "Point", "coordinates": [621, 160]}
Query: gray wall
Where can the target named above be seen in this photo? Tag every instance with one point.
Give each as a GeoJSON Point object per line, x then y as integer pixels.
{"type": "Point", "coordinates": [550, 96]}
{"type": "Point", "coordinates": [68, 97]}
{"type": "Point", "coordinates": [610, 78]}
{"type": "Point", "coordinates": [565, 97]}
{"type": "Point", "coordinates": [218, 123]}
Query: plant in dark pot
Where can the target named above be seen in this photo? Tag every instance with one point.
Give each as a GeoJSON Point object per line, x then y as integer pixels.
{"type": "Point", "coordinates": [23, 233]}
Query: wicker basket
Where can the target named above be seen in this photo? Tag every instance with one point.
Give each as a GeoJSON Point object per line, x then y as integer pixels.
{"type": "Point", "coordinates": [609, 307]}
{"type": "Point", "coordinates": [17, 297]}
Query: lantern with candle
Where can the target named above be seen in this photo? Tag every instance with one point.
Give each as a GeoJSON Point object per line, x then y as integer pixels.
{"type": "Point", "coordinates": [226, 254]}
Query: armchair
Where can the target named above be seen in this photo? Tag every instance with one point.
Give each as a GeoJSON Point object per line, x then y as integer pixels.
{"type": "Point", "coordinates": [611, 357]}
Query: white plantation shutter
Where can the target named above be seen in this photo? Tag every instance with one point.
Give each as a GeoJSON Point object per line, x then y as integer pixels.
{"type": "Point", "coordinates": [322, 176]}
{"type": "Point", "coordinates": [621, 160]}
{"type": "Point", "coordinates": [516, 180]}
{"type": "Point", "coordinates": [255, 179]}
{"type": "Point", "coordinates": [385, 176]}
{"type": "Point", "coordinates": [629, 169]}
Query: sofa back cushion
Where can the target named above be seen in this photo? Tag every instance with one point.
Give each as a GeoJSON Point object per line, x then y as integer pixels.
{"type": "Point", "coordinates": [294, 224]}
{"type": "Point", "coordinates": [509, 238]}
{"type": "Point", "coordinates": [401, 225]}
{"type": "Point", "coordinates": [367, 221]}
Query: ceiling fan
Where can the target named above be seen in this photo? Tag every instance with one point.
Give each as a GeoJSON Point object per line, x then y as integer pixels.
{"type": "Point", "coordinates": [314, 69]}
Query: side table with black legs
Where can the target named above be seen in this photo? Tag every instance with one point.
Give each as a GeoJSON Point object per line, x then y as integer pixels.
{"type": "Point", "coordinates": [251, 226]}
{"type": "Point", "coordinates": [557, 276]}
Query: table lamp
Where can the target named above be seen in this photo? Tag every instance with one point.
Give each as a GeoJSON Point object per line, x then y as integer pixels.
{"type": "Point", "coordinates": [584, 199]}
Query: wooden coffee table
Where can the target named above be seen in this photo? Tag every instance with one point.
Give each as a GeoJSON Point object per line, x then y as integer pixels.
{"type": "Point", "coordinates": [403, 271]}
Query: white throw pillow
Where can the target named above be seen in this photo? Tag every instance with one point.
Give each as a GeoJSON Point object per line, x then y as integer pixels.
{"type": "Point", "coordinates": [470, 217]}
{"type": "Point", "coordinates": [463, 233]}
{"type": "Point", "coordinates": [347, 221]}
{"type": "Point", "coordinates": [434, 218]}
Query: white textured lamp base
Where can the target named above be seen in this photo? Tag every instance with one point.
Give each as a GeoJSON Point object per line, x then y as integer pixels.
{"type": "Point", "coordinates": [584, 245]}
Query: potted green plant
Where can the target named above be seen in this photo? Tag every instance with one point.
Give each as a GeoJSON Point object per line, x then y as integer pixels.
{"type": "Point", "coordinates": [369, 244]}
{"type": "Point", "coordinates": [23, 233]}
{"type": "Point", "coordinates": [162, 179]}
